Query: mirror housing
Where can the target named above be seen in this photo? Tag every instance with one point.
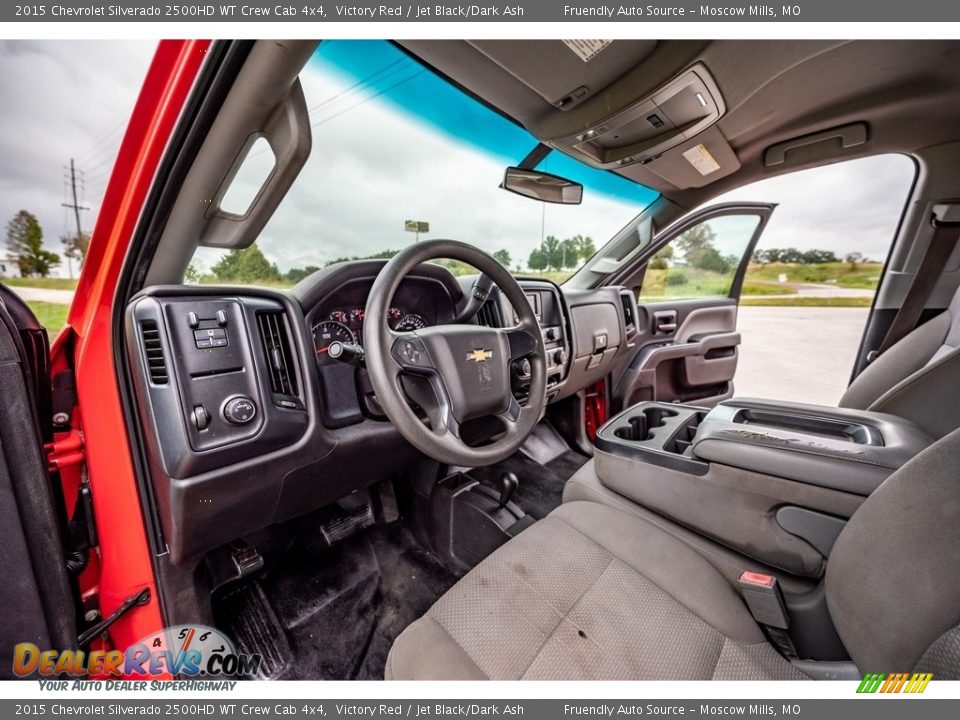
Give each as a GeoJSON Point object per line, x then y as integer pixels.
{"type": "Point", "coordinates": [542, 186]}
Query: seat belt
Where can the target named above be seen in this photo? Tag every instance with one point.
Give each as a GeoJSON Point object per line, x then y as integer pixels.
{"type": "Point", "coordinates": [946, 232]}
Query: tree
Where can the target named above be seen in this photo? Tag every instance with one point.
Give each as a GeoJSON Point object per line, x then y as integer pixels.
{"type": "Point", "coordinates": [502, 257]}
{"type": "Point", "coordinates": [585, 247]}
{"type": "Point", "coordinates": [25, 246]}
{"type": "Point", "coordinates": [249, 265]}
{"type": "Point", "coordinates": [538, 260]}
{"type": "Point", "coordinates": [854, 258]}
{"type": "Point", "coordinates": [194, 272]}
{"type": "Point", "coordinates": [75, 246]}
{"type": "Point", "coordinates": [661, 258]}
{"type": "Point", "coordinates": [815, 257]}
{"type": "Point", "coordinates": [295, 275]}
{"type": "Point", "coordinates": [699, 251]}
{"type": "Point", "coordinates": [552, 253]}
{"type": "Point", "coordinates": [569, 253]}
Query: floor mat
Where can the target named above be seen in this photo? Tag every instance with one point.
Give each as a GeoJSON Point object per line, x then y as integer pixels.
{"type": "Point", "coordinates": [335, 610]}
{"type": "Point", "coordinates": [541, 485]}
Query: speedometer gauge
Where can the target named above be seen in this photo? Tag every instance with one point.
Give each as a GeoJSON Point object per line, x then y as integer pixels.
{"type": "Point", "coordinates": [327, 332]}
{"type": "Point", "coordinates": [411, 322]}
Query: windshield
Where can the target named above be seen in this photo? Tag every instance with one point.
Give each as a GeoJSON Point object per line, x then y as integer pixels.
{"type": "Point", "coordinates": [400, 155]}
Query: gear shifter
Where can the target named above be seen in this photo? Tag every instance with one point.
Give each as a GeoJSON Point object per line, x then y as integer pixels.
{"type": "Point", "coordinates": [508, 485]}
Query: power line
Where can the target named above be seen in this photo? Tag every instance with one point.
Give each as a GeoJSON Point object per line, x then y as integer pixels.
{"type": "Point", "coordinates": [76, 207]}
{"type": "Point", "coordinates": [366, 100]}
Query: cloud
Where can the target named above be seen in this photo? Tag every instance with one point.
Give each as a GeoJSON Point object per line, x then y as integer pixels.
{"type": "Point", "coordinates": [372, 167]}
{"type": "Point", "coordinates": [846, 207]}
{"type": "Point", "coordinates": [63, 99]}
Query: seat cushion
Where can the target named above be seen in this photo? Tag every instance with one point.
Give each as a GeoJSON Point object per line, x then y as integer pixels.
{"type": "Point", "coordinates": [589, 592]}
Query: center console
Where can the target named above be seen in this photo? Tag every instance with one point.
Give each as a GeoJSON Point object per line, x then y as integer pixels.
{"type": "Point", "coordinates": [775, 481]}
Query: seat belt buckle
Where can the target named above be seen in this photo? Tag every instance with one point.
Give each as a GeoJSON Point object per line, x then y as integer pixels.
{"type": "Point", "coordinates": [764, 598]}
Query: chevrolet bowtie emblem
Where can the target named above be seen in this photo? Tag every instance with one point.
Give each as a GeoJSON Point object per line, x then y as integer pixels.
{"type": "Point", "coordinates": [479, 355]}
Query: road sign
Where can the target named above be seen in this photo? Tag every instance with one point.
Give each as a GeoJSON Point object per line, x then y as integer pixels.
{"type": "Point", "coordinates": [416, 226]}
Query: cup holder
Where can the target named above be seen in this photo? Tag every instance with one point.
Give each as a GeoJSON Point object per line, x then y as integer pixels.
{"type": "Point", "coordinates": [641, 425]}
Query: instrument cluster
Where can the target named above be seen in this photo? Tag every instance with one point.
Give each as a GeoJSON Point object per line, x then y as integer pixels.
{"type": "Point", "coordinates": [345, 325]}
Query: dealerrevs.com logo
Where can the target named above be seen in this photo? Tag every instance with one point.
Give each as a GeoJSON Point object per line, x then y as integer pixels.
{"type": "Point", "coordinates": [185, 650]}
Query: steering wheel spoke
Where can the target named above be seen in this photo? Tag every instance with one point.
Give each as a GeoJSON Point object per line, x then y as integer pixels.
{"type": "Point", "coordinates": [410, 353]}
{"type": "Point", "coordinates": [511, 416]}
{"type": "Point", "coordinates": [523, 340]}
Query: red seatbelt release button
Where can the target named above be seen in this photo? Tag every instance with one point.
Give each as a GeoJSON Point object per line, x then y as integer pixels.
{"type": "Point", "coordinates": [762, 594]}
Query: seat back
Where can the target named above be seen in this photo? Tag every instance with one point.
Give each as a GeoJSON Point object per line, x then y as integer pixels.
{"type": "Point", "coordinates": [918, 378]}
{"type": "Point", "coordinates": [893, 580]}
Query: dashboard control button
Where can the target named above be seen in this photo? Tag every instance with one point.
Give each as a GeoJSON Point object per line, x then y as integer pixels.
{"type": "Point", "coordinates": [239, 410]}
{"type": "Point", "coordinates": [193, 320]}
{"type": "Point", "coordinates": [221, 318]}
{"type": "Point", "coordinates": [200, 417]}
{"type": "Point", "coordinates": [560, 356]}
{"type": "Point", "coordinates": [210, 338]}
{"type": "Point", "coordinates": [552, 333]}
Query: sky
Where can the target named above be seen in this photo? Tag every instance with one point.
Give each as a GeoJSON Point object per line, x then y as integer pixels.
{"type": "Point", "coordinates": [64, 99]}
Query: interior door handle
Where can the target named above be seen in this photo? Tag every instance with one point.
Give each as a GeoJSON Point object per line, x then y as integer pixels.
{"type": "Point", "coordinates": [665, 322]}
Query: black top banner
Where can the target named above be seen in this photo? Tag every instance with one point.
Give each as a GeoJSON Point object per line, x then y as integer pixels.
{"type": "Point", "coordinates": [523, 11]}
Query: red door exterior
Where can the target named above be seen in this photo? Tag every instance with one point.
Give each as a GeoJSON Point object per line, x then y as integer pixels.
{"type": "Point", "coordinates": [125, 564]}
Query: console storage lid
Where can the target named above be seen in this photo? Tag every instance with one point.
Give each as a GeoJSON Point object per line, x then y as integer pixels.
{"type": "Point", "coordinates": [848, 450]}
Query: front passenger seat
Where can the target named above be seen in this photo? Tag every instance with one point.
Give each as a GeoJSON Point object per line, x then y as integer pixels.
{"type": "Point", "coordinates": [592, 592]}
{"type": "Point", "coordinates": [918, 378]}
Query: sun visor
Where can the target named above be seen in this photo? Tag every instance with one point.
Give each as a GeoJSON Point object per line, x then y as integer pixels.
{"type": "Point", "coordinates": [566, 72]}
{"type": "Point", "coordinates": [697, 162]}
{"type": "Point", "coordinates": [677, 112]}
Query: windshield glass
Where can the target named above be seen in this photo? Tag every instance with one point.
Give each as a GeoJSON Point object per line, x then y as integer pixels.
{"type": "Point", "coordinates": [396, 146]}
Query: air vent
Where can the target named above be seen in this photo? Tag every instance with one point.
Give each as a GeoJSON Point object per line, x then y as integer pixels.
{"type": "Point", "coordinates": [276, 348]}
{"type": "Point", "coordinates": [153, 351]}
{"type": "Point", "coordinates": [489, 314]}
{"type": "Point", "coordinates": [629, 316]}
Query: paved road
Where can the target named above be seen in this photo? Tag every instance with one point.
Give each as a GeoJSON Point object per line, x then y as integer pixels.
{"type": "Point", "coordinates": [822, 290]}
{"type": "Point", "coordinates": [59, 297]}
{"type": "Point", "coordinates": [788, 353]}
{"type": "Point", "coordinates": [797, 353]}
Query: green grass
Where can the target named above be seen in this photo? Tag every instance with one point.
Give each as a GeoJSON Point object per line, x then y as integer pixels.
{"type": "Point", "coordinates": [52, 316]}
{"type": "Point", "coordinates": [752, 287]}
{"type": "Point", "coordinates": [808, 302]}
{"type": "Point", "coordinates": [45, 283]}
{"type": "Point", "coordinates": [863, 275]}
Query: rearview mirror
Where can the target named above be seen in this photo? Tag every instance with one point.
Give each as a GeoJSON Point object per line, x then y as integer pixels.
{"type": "Point", "coordinates": [542, 186]}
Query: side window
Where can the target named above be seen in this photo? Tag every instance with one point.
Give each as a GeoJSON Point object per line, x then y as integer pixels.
{"type": "Point", "coordinates": [700, 262]}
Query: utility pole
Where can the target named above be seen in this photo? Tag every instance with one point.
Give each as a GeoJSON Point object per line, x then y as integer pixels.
{"type": "Point", "coordinates": [76, 210]}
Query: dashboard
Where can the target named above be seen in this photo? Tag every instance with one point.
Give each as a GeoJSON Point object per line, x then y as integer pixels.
{"type": "Point", "coordinates": [247, 422]}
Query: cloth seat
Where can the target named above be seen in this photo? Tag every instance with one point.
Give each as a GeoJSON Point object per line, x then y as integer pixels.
{"type": "Point", "coordinates": [589, 592]}
{"type": "Point", "coordinates": [917, 378]}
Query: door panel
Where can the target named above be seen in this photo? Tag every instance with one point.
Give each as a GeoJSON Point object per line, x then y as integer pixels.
{"type": "Point", "coordinates": [35, 593]}
{"type": "Point", "coordinates": [688, 285]}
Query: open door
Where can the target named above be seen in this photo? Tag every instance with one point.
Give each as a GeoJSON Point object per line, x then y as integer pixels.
{"type": "Point", "coordinates": [687, 284]}
{"type": "Point", "coordinates": [35, 593]}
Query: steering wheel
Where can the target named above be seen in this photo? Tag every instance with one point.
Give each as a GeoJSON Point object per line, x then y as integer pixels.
{"type": "Point", "coordinates": [455, 373]}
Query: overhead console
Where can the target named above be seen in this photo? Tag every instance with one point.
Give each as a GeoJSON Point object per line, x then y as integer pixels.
{"type": "Point", "coordinates": [775, 481]}
{"type": "Point", "coordinates": [673, 114]}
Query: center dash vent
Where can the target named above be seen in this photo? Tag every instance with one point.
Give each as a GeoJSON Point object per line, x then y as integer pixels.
{"type": "Point", "coordinates": [489, 314]}
{"type": "Point", "coordinates": [153, 352]}
{"type": "Point", "coordinates": [275, 340]}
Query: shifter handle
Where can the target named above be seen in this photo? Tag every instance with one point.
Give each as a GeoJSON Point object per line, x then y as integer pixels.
{"type": "Point", "coordinates": [508, 485]}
